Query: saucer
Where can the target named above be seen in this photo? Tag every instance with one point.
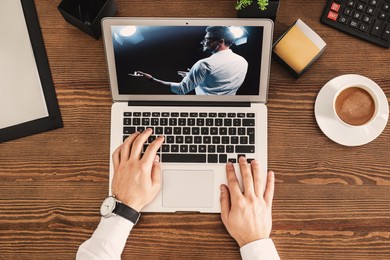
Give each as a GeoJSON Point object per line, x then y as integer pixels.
{"type": "Point", "coordinates": [339, 132]}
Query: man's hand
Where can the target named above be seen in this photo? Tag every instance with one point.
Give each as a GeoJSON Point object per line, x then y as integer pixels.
{"type": "Point", "coordinates": [247, 215]}
{"type": "Point", "coordinates": [137, 180]}
{"type": "Point", "coordinates": [143, 74]}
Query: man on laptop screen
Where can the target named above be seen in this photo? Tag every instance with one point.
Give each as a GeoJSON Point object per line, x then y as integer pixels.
{"type": "Point", "coordinates": [220, 74]}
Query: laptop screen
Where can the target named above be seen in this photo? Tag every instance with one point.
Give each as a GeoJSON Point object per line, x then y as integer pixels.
{"type": "Point", "coordinates": [176, 60]}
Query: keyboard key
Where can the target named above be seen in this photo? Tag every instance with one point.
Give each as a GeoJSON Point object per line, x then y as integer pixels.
{"type": "Point", "coordinates": [230, 148]}
{"type": "Point", "coordinates": [212, 158]}
{"type": "Point", "coordinates": [136, 121]}
{"type": "Point", "coordinates": [245, 149]}
{"type": "Point", "coordinates": [211, 149]}
{"type": "Point", "coordinates": [197, 139]}
{"type": "Point", "coordinates": [174, 148]}
{"type": "Point", "coordinates": [183, 148]}
{"type": "Point", "coordinates": [213, 131]}
{"type": "Point", "coordinates": [184, 158]}
{"type": "Point", "coordinates": [168, 130]}
{"type": "Point", "coordinates": [179, 139]}
{"type": "Point", "coordinates": [225, 140]}
{"type": "Point", "coordinates": [202, 148]}
{"type": "Point", "coordinates": [128, 130]}
{"type": "Point", "coordinates": [209, 122]}
{"type": "Point", "coordinates": [222, 158]}
{"type": "Point", "coordinates": [248, 122]}
{"type": "Point", "coordinates": [165, 148]}
{"type": "Point", "coordinates": [220, 149]}
{"type": "Point", "coordinates": [216, 139]}
{"type": "Point", "coordinates": [127, 121]}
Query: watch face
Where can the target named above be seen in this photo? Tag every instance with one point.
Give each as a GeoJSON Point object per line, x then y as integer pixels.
{"type": "Point", "coordinates": [107, 206]}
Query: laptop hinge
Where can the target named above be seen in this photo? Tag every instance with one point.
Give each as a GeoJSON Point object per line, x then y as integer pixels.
{"type": "Point", "coordinates": [189, 103]}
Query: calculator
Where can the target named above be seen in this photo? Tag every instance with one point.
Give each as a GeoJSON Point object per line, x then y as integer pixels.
{"type": "Point", "coordinates": [366, 19]}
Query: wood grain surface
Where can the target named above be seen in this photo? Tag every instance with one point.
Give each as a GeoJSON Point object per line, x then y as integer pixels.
{"type": "Point", "coordinates": [331, 201]}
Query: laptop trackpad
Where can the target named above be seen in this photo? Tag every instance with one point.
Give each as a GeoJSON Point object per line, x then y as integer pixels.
{"type": "Point", "coordinates": [188, 188]}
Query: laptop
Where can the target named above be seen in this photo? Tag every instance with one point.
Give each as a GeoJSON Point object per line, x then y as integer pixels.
{"type": "Point", "coordinates": [203, 84]}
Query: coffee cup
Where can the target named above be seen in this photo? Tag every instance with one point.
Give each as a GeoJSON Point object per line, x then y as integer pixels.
{"type": "Point", "coordinates": [355, 105]}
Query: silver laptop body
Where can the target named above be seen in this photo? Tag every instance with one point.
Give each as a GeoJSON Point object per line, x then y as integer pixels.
{"type": "Point", "coordinates": [192, 169]}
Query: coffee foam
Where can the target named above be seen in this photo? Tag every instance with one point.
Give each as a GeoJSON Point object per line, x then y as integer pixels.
{"type": "Point", "coordinates": [355, 106]}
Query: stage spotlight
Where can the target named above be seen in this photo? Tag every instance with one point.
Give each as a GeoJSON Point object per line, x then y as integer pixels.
{"type": "Point", "coordinates": [128, 31]}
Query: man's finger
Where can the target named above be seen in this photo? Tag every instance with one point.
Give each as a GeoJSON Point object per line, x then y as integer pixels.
{"type": "Point", "coordinates": [116, 157]}
{"type": "Point", "coordinates": [257, 179]}
{"type": "Point", "coordinates": [246, 174]}
{"type": "Point", "coordinates": [269, 189]}
{"type": "Point", "coordinates": [225, 202]}
{"type": "Point", "coordinates": [234, 187]}
{"type": "Point", "coordinates": [126, 146]}
{"type": "Point", "coordinates": [156, 173]}
{"type": "Point", "coordinates": [152, 149]}
{"type": "Point", "coordinates": [138, 144]}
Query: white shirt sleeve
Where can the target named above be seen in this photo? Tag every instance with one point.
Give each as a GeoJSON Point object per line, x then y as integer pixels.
{"type": "Point", "coordinates": [108, 240]}
{"type": "Point", "coordinates": [263, 249]}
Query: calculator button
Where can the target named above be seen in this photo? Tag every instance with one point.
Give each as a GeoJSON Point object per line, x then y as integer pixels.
{"type": "Point", "coordinates": [335, 7]}
{"type": "Point", "coordinates": [343, 19]}
{"type": "Point", "coordinates": [347, 11]}
{"type": "Point", "coordinates": [332, 15]}
{"type": "Point", "coordinates": [382, 15]}
{"type": "Point", "coordinates": [370, 10]}
{"type": "Point", "coordinates": [353, 24]}
{"type": "Point", "coordinates": [386, 33]}
{"type": "Point", "coordinates": [377, 28]}
{"type": "Point", "coordinates": [357, 15]}
{"type": "Point", "coordinates": [363, 28]}
{"type": "Point", "coordinates": [374, 2]}
{"type": "Point", "coordinates": [367, 19]}
{"type": "Point", "coordinates": [360, 7]}
{"type": "Point", "coordinates": [351, 3]}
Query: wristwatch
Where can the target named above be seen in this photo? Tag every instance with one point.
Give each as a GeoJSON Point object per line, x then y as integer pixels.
{"type": "Point", "coordinates": [111, 207]}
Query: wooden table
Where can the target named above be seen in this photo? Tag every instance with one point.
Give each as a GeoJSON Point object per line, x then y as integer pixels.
{"type": "Point", "coordinates": [331, 201]}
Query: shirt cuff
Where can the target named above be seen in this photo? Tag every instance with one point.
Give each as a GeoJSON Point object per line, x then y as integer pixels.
{"type": "Point", "coordinates": [263, 249]}
{"type": "Point", "coordinates": [108, 240]}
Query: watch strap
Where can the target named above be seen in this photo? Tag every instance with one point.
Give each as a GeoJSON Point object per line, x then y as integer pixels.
{"type": "Point", "coordinates": [127, 212]}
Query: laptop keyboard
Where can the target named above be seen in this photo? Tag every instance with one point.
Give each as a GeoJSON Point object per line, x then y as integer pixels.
{"type": "Point", "coordinates": [196, 137]}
